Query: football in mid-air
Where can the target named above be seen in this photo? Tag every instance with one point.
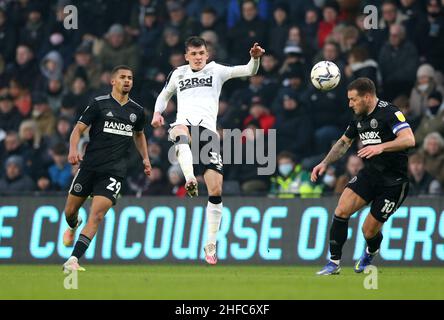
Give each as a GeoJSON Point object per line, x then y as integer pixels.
{"type": "Point", "coordinates": [325, 75]}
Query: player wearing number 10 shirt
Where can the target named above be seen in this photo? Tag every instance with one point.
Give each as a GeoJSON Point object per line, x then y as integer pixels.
{"type": "Point", "coordinates": [115, 121]}
{"type": "Point", "coordinates": [382, 183]}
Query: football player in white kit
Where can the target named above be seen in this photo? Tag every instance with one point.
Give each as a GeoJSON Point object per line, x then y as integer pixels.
{"type": "Point", "coordinates": [197, 86]}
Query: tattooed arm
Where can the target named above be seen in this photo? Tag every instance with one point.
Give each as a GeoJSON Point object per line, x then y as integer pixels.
{"type": "Point", "coordinates": [336, 152]}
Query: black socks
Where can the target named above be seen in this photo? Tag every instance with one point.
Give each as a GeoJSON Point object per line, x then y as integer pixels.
{"type": "Point", "coordinates": [374, 243]}
{"type": "Point", "coordinates": [338, 236]}
{"type": "Point", "coordinates": [81, 245]}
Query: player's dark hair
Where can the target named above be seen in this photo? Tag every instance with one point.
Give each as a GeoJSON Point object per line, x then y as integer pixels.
{"type": "Point", "coordinates": [363, 86]}
{"type": "Point", "coordinates": [118, 68]}
{"type": "Point", "coordinates": [195, 42]}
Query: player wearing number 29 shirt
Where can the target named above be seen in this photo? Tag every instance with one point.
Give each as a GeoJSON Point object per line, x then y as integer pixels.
{"type": "Point", "coordinates": [197, 86]}
{"type": "Point", "coordinates": [383, 182]}
{"type": "Point", "coordinates": [115, 122]}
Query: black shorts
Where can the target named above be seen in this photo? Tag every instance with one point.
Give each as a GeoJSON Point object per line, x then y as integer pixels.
{"type": "Point", "coordinates": [92, 183]}
{"type": "Point", "coordinates": [385, 199]}
{"type": "Point", "coordinates": [208, 150]}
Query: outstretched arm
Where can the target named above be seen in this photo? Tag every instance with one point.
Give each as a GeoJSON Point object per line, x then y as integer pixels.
{"type": "Point", "coordinates": [252, 66]}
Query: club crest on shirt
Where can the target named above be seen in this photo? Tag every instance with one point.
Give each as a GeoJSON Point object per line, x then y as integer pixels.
{"type": "Point", "coordinates": [133, 117]}
{"type": "Point", "coordinates": [374, 123]}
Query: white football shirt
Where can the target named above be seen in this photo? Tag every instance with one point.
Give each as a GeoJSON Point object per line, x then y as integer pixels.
{"type": "Point", "coordinates": [198, 91]}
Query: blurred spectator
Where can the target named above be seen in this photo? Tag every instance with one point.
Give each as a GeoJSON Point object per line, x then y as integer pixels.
{"type": "Point", "coordinates": [179, 20]}
{"type": "Point", "coordinates": [414, 15]}
{"type": "Point", "coordinates": [138, 16]}
{"type": "Point", "coordinates": [330, 116]}
{"type": "Point", "coordinates": [84, 65]}
{"type": "Point", "coordinates": [261, 114]}
{"type": "Point", "coordinates": [21, 96]}
{"type": "Point", "coordinates": [330, 52]}
{"type": "Point", "coordinates": [54, 91]}
{"type": "Point", "coordinates": [63, 132]}
{"type": "Point", "coordinates": [256, 87]}
{"type": "Point", "coordinates": [349, 39]}
{"type": "Point", "coordinates": [430, 35]}
{"type": "Point", "coordinates": [361, 65]}
{"type": "Point", "coordinates": [398, 61]}
{"type": "Point", "coordinates": [209, 22]}
{"type": "Point", "coordinates": [11, 145]}
{"type": "Point", "coordinates": [247, 173]}
{"type": "Point", "coordinates": [294, 59]}
{"type": "Point", "coordinates": [150, 33]}
{"type": "Point", "coordinates": [170, 43]}
{"type": "Point", "coordinates": [354, 164]}
{"type": "Point", "coordinates": [35, 151]}
{"type": "Point", "coordinates": [43, 115]}
{"type": "Point", "coordinates": [15, 181]}
{"type": "Point", "coordinates": [330, 13]}
{"type": "Point", "coordinates": [10, 117]}
{"type": "Point", "coordinates": [117, 50]}
{"type": "Point", "coordinates": [77, 98]}
{"type": "Point", "coordinates": [421, 182]}
{"type": "Point", "coordinates": [34, 32]}
{"type": "Point", "coordinates": [425, 84]}
{"type": "Point", "coordinates": [154, 184]}
{"type": "Point", "coordinates": [51, 66]}
{"type": "Point", "coordinates": [24, 69]}
{"type": "Point", "coordinates": [279, 26]}
{"type": "Point", "coordinates": [235, 10]}
{"type": "Point", "coordinates": [391, 15]}
{"type": "Point", "coordinates": [250, 29]}
{"type": "Point", "coordinates": [270, 66]}
{"type": "Point", "coordinates": [291, 180]}
{"type": "Point", "coordinates": [310, 27]}
{"type": "Point", "coordinates": [293, 126]}
{"type": "Point", "coordinates": [176, 181]}
{"type": "Point", "coordinates": [433, 119]}
{"type": "Point", "coordinates": [60, 171]}
{"type": "Point", "coordinates": [433, 151]}
{"type": "Point", "coordinates": [216, 51]}
{"type": "Point", "coordinates": [7, 37]}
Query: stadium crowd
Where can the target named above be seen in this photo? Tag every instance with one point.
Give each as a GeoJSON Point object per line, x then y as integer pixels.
{"type": "Point", "coordinates": [49, 74]}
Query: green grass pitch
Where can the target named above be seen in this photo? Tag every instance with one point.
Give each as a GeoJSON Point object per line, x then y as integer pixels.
{"type": "Point", "coordinates": [219, 282]}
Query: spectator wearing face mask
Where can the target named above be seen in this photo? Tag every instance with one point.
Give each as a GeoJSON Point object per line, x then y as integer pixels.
{"type": "Point", "coordinates": [433, 119]}
{"type": "Point", "coordinates": [291, 180]}
{"type": "Point", "coordinates": [425, 84]}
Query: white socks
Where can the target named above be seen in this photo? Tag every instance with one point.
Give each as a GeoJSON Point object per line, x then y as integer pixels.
{"type": "Point", "coordinates": [214, 216]}
{"type": "Point", "coordinates": [185, 158]}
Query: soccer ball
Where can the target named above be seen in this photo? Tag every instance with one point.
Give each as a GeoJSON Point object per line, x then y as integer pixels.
{"type": "Point", "coordinates": [325, 75]}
